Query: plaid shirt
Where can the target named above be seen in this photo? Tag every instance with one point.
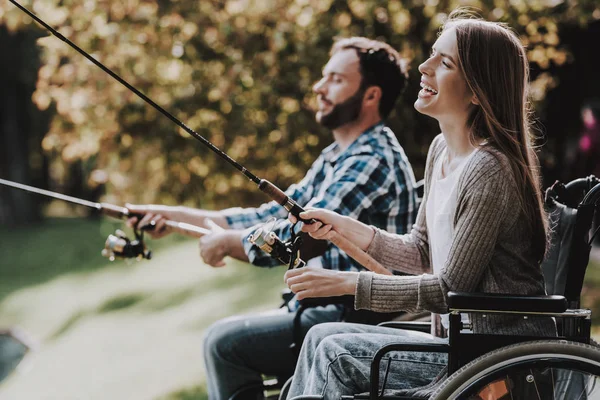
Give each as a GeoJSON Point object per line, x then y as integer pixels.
{"type": "Point", "coordinates": [371, 181]}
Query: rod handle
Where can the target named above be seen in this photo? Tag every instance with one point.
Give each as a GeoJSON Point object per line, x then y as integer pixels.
{"type": "Point", "coordinates": [358, 254]}
{"type": "Point", "coordinates": [187, 229]}
{"type": "Point", "coordinates": [180, 227]}
{"type": "Point", "coordinates": [280, 197]}
{"type": "Point", "coordinates": [276, 194]}
{"type": "Point", "coordinates": [114, 211]}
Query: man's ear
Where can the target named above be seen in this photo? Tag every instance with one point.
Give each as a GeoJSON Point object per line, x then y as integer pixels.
{"type": "Point", "coordinates": [372, 94]}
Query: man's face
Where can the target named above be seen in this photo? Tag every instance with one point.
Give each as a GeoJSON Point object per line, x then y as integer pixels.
{"type": "Point", "coordinates": [339, 95]}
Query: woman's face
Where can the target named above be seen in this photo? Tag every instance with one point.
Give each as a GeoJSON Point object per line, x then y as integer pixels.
{"type": "Point", "coordinates": [445, 95]}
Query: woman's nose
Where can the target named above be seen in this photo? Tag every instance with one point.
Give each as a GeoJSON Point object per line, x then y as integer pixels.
{"type": "Point", "coordinates": [424, 67]}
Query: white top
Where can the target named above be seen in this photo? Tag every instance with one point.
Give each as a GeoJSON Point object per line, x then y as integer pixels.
{"type": "Point", "coordinates": [441, 204]}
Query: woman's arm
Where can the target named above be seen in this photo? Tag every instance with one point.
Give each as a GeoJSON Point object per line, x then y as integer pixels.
{"type": "Point", "coordinates": [485, 196]}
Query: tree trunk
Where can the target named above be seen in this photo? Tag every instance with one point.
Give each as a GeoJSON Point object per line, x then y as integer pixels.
{"type": "Point", "coordinates": [22, 125]}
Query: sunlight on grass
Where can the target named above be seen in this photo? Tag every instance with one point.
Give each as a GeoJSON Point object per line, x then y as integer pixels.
{"type": "Point", "coordinates": [196, 393]}
{"type": "Point", "coordinates": [121, 302]}
{"type": "Point", "coordinates": [119, 330]}
{"type": "Point", "coordinates": [71, 322]}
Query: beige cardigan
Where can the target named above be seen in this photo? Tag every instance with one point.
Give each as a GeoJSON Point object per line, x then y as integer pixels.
{"type": "Point", "coordinates": [490, 252]}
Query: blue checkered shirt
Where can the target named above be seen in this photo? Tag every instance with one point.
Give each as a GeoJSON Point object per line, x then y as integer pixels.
{"type": "Point", "coordinates": [371, 181]}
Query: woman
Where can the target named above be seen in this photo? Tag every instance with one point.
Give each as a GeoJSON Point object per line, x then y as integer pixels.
{"type": "Point", "coordinates": [481, 226]}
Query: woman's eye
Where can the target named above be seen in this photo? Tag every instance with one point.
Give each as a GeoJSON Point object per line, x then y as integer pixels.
{"type": "Point", "coordinates": [446, 64]}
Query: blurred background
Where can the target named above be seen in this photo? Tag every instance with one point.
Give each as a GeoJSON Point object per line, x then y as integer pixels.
{"type": "Point", "coordinates": [239, 72]}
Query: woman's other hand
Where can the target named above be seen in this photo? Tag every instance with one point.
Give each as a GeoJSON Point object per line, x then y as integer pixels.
{"type": "Point", "coordinates": [318, 282]}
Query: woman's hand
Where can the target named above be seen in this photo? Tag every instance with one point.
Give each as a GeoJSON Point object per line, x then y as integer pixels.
{"type": "Point", "coordinates": [318, 282]}
{"type": "Point", "coordinates": [326, 221]}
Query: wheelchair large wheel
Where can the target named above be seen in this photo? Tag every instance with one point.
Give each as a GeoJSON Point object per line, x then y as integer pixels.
{"type": "Point", "coordinates": [548, 369]}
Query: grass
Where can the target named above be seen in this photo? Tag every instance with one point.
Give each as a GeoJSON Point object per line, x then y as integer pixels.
{"type": "Point", "coordinates": [116, 330]}
{"type": "Point", "coordinates": [127, 330]}
{"type": "Point", "coordinates": [39, 253]}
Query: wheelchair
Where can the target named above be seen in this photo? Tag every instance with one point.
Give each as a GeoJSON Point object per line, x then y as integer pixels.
{"type": "Point", "coordinates": [501, 367]}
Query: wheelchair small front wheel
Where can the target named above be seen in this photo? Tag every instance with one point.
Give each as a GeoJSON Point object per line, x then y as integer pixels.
{"type": "Point", "coordinates": [546, 369]}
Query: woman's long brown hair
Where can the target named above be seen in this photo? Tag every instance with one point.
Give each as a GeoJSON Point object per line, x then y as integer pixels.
{"type": "Point", "coordinates": [495, 67]}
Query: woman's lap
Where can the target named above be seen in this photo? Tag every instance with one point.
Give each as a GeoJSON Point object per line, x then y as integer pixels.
{"type": "Point", "coordinates": [336, 359]}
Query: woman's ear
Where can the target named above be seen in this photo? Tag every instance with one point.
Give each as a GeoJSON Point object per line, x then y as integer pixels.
{"type": "Point", "coordinates": [474, 100]}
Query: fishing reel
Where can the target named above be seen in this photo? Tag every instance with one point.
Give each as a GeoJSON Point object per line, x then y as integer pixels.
{"type": "Point", "coordinates": [120, 246]}
{"type": "Point", "coordinates": [286, 252]}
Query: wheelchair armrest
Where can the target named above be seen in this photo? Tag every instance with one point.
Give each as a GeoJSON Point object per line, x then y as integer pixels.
{"type": "Point", "coordinates": [506, 302]}
{"type": "Point", "coordinates": [419, 326]}
{"type": "Point", "coordinates": [347, 300]}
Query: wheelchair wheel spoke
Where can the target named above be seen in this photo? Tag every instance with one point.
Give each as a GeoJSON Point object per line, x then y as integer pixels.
{"type": "Point", "coordinates": [553, 383]}
{"type": "Point", "coordinates": [537, 390]}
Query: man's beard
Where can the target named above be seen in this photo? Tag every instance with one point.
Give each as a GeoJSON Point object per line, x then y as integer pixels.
{"type": "Point", "coordinates": [345, 112]}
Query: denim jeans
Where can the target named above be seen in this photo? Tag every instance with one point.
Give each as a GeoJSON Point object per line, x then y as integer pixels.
{"type": "Point", "coordinates": [335, 360]}
{"type": "Point", "coordinates": [239, 349]}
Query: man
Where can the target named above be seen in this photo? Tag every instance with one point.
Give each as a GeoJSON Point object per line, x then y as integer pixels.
{"type": "Point", "coordinates": [364, 174]}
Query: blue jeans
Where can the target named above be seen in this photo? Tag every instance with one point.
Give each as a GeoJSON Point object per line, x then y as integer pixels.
{"type": "Point", "coordinates": [335, 360]}
{"type": "Point", "coordinates": [239, 349]}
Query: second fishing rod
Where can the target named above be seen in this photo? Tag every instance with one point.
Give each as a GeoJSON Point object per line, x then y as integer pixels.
{"type": "Point", "coordinates": [264, 185]}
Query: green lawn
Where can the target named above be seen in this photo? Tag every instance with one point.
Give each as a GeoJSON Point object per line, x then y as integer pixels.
{"type": "Point", "coordinates": [125, 330]}
{"type": "Point", "coordinates": [116, 330]}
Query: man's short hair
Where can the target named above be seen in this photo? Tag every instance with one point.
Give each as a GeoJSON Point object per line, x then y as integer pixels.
{"type": "Point", "coordinates": [380, 65]}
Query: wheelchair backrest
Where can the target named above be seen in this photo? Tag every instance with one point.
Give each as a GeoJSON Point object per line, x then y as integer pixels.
{"type": "Point", "coordinates": [571, 208]}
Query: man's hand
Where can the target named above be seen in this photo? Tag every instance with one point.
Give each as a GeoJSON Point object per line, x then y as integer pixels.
{"type": "Point", "coordinates": [153, 215]}
{"type": "Point", "coordinates": [157, 215]}
{"type": "Point", "coordinates": [220, 244]}
{"type": "Point", "coordinates": [318, 282]}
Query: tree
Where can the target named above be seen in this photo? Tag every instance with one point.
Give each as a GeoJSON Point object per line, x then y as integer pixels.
{"type": "Point", "coordinates": [22, 125]}
{"type": "Point", "coordinates": [240, 73]}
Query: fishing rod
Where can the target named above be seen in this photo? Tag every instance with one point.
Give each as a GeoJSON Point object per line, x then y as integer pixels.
{"type": "Point", "coordinates": [120, 246]}
{"type": "Point", "coordinates": [264, 185]}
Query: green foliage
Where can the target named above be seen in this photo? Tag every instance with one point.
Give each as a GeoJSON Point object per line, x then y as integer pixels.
{"type": "Point", "coordinates": [239, 72]}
